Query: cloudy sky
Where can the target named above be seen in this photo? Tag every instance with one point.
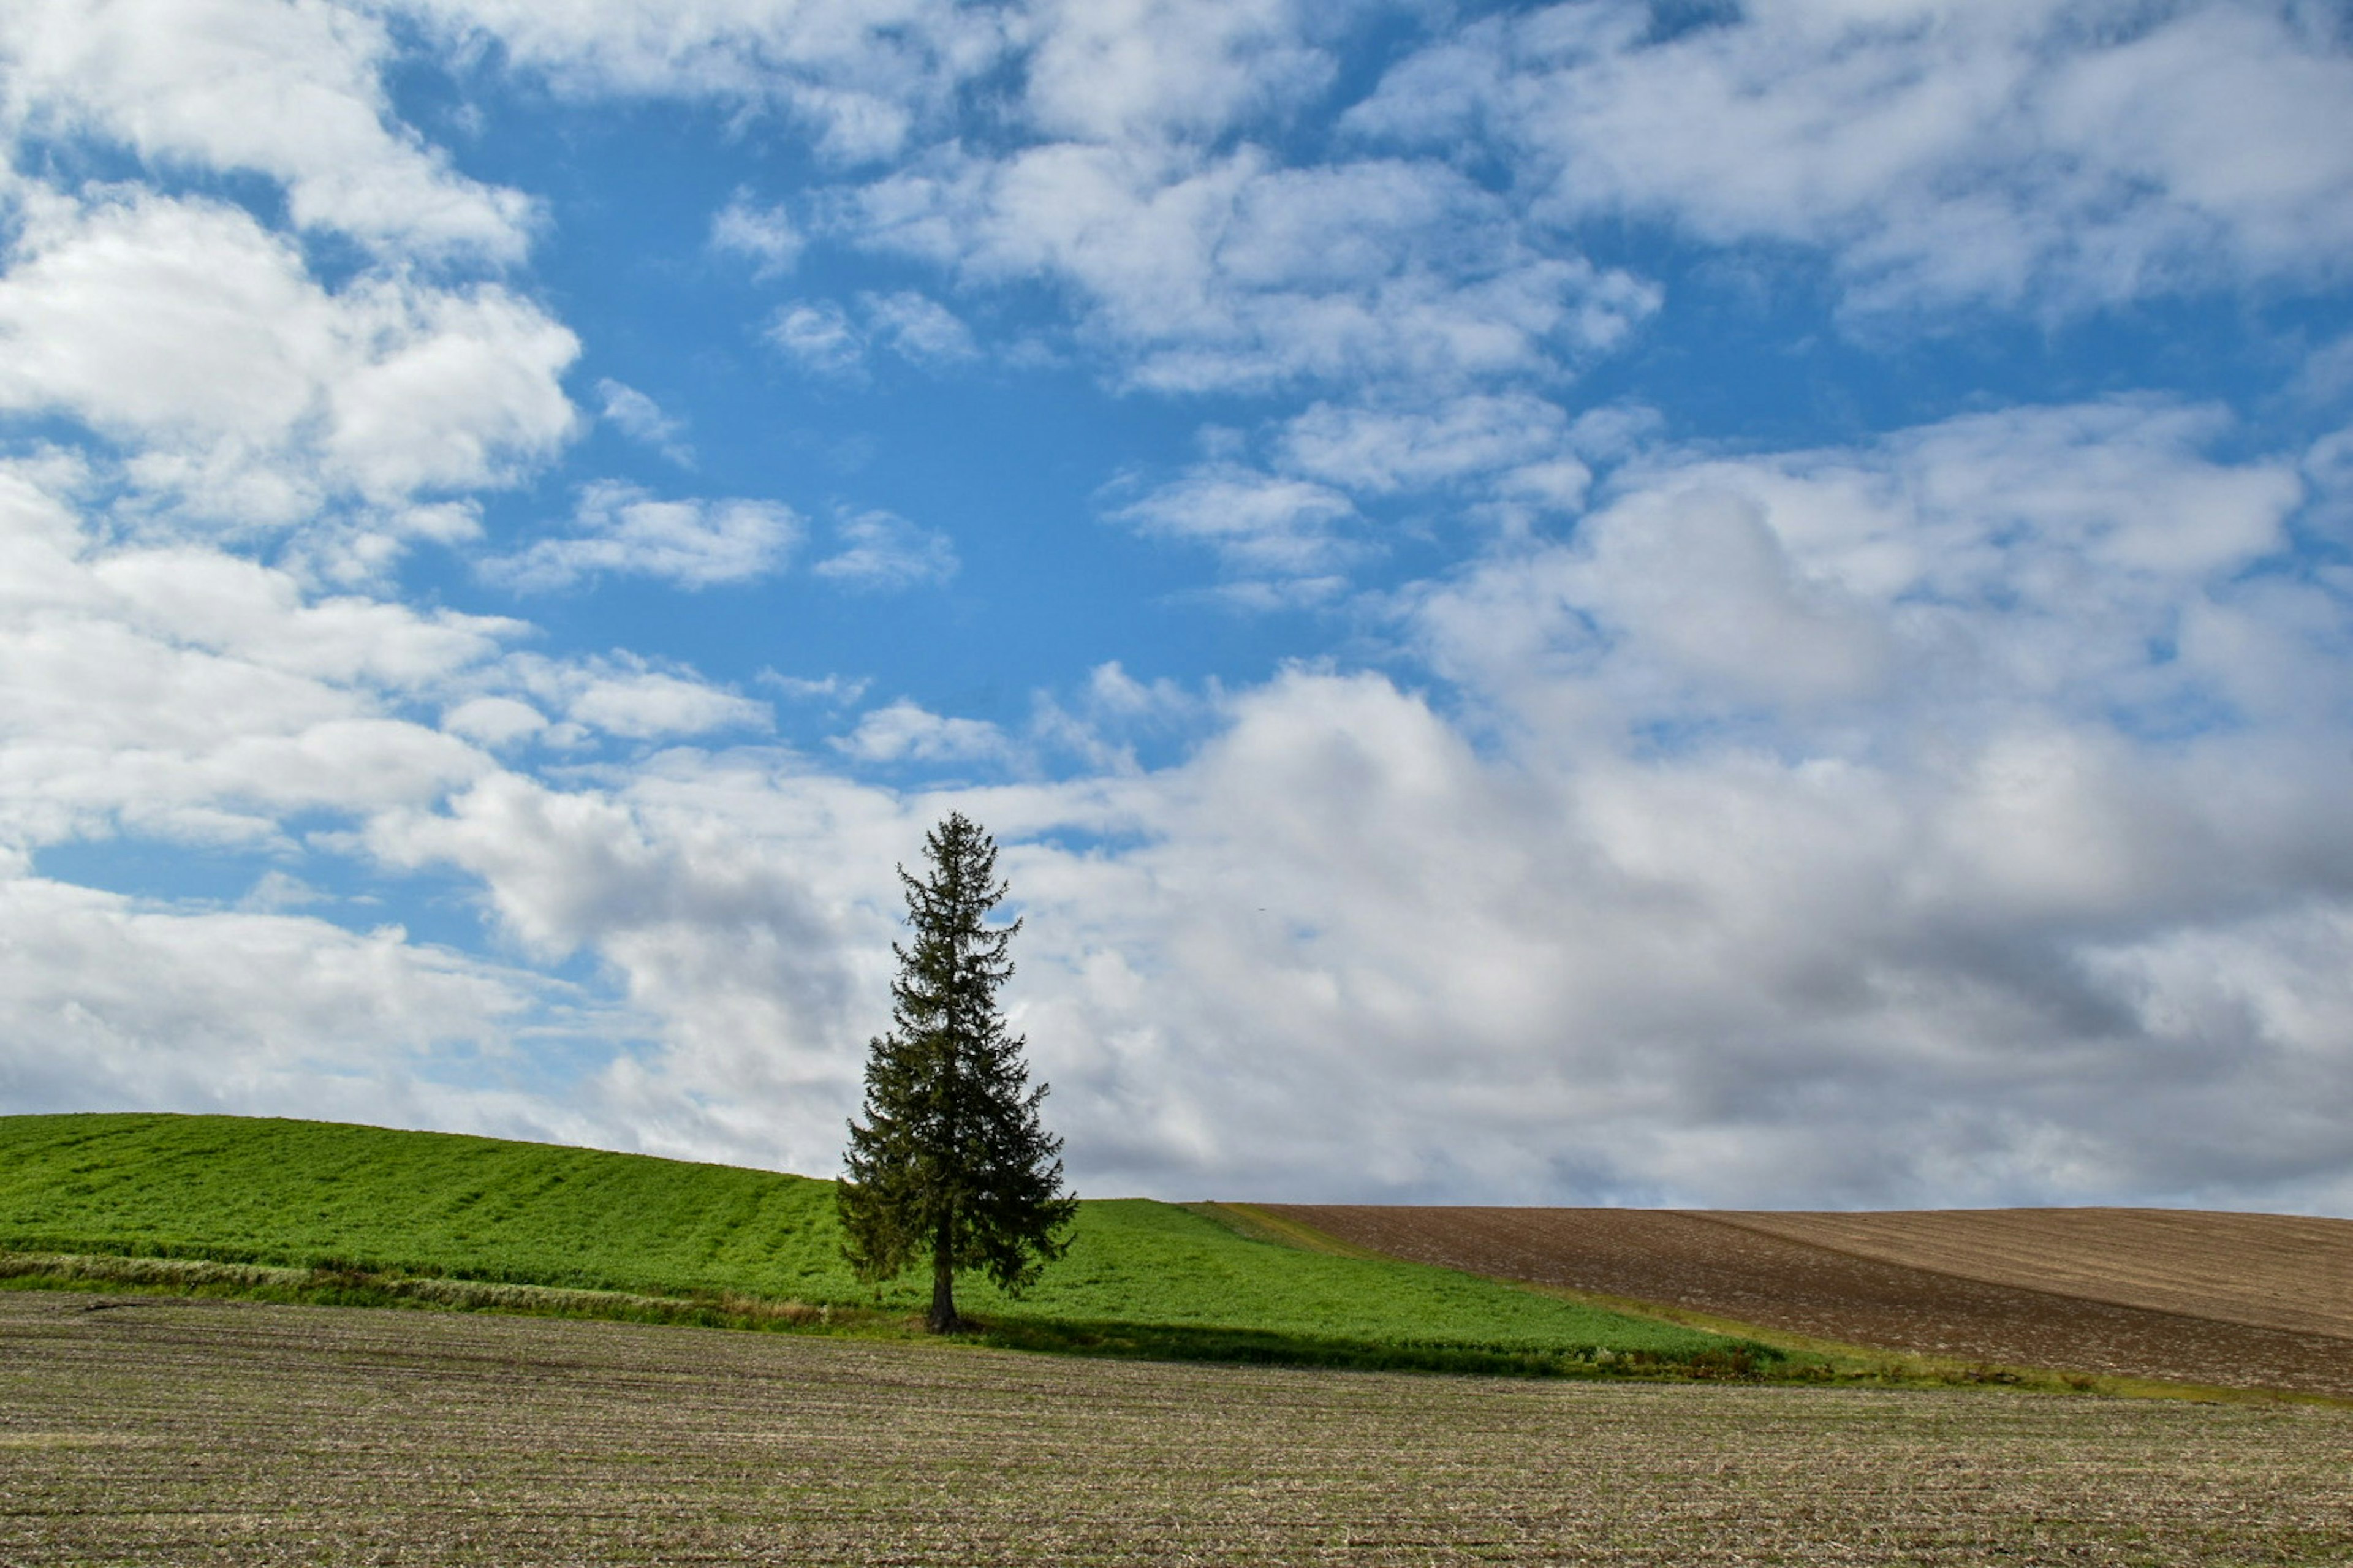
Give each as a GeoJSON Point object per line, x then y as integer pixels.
{"type": "Point", "coordinates": [1697, 602]}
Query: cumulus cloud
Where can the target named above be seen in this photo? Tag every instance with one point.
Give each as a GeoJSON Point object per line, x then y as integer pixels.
{"type": "Point", "coordinates": [1258, 522]}
{"type": "Point", "coordinates": [818, 335]}
{"type": "Point", "coordinates": [1921, 853]}
{"type": "Point", "coordinates": [1939, 153]}
{"type": "Point", "coordinates": [641, 420]}
{"type": "Point", "coordinates": [262, 1013]}
{"type": "Point", "coordinates": [861, 74]}
{"type": "Point", "coordinates": [832, 689]}
{"type": "Point", "coordinates": [193, 696]}
{"type": "Point", "coordinates": [1123, 70]}
{"type": "Point", "coordinates": [882, 551]}
{"type": "Point", "coordinates": [2038, 555]}
{"type": "Point", "coordinates": [291, 89]}
{"type": "Point", "coordinates": [919, 328]}
{"type": "Point", "coordinates": [494, 721]}
{"type": "Point", "coordinates": [1381, 450]}
{"type": "Point", "coordinates": [621, 529]}
{"type": "Point", "coordinates": [1970, 832]}
{"type": "Point", "coordinates": [766, 233]}
{"type": "Point", "coordinates": [1951, 816]}
{"type": "Point", "coordinates": [247, 391]}
{"type": "Point", "coordinates": [643, 876]}
{"type": "Point", "coordinates": [1285, 532]}
{"type": "Point", "coordinates": [1231, 272]}
{"type": "Point", "coordinates": [184, 696]}
{"type": "Point", "coordinates": [905, 732]}
{"type": "Point", "coordinates": [643, 704]}
{"type": "Point", "coordinates": [1105, 721]}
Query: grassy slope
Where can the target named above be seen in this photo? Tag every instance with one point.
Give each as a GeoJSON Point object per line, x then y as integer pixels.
{"type": "Point", "coordinates": [303, 1194]}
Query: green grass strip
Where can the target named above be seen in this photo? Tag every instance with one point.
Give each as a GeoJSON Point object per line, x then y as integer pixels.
{"type": "Point", "coordinates": [383, 1211]}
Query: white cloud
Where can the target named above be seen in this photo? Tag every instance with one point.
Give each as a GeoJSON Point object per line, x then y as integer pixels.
{"type": "Point", "coordinates": [621, 529]}
{"type": "Point", "coordinates": [834, 690]}
{"type": "Point", "coordinates": [195, 697]}
{"type": "Point", "coordinates": [647, 704]}
{"type": "Point", "coordinates": [250, 393]}
{"type": "Point", "coordinates": [882, 551]}
{"type": "Point", "coordinates": [620, 694]}
{"type": "Point", "coordinates": [794, 869]}
{"type": "Point", "coordinates": [1115, 693]}
{"type": "Point", "coordinates": [495, 722]}
{"type": "Point", "coordinates": [2034, 556]}
{"type": "Point", "coordinates": [1257, 522]}
{"type": "Point", "coordinates": [203, 599]}
{"type": "Point", "coordinates": [1939, 151]}
{"type": "Point", "coordinates": [1122, 70]}
{"type": "Point", "coordinates": [920, 328]}
{"type": "Point", "coordinates": [1521, 444]}
{"type": "Point", "coordinates": [907, 732]}
{"type": "Point", "coordinates": [861, 74]}
{"type": "Point", "coordinates": [1862, 870]}
{"type": "Point", "coordinates": [274, 892]}
{"type": "Point", "coordinates": [1231, 273]}
{"type": "Point", "coordinates": [105, 1001]}
{"type": "Point", "coordinates": [1380, 450]}
{"type": "Point", "coordinates": [1340, 951]}
{"type": "Point", "coordinates": [289, 88]}
{"type": "Point", "coordinates": [1106, 718]}
{"type": "Point", "coordinates": [1957, 817]}
{"type": "Point", "coordinates": [186, 695]}
{"type": "Point", "coordinates": [1701, 582]}
{"type": "Point", "coordinates": [766, 233]}
{"type": "Point", "coordinates": [819, 337]}
{"type": "Point", "coordinates": [641, 420]}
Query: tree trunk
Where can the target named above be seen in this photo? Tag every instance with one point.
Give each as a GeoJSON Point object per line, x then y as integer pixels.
{"type": "Point", "coordinates": [942, 1318]}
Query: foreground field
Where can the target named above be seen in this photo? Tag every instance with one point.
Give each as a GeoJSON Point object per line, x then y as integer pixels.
{"type": "Point", "coordinates": [1737, 1267]}
{"type": "Point", "coordinates": [170, 1431]}
{"type": "Point", "coordinates": [1141, 1278]}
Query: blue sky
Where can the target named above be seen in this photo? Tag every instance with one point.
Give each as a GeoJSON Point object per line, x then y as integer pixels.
{"type": "Point", "coordinates": [1583, 603]}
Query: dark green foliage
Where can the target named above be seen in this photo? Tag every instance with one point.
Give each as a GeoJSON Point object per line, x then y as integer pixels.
{"type": "Point", "coordinates": [952, 1164]}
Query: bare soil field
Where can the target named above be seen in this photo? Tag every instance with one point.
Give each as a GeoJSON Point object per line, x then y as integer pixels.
{"type": "Point", "coordinates": [2281, 1271]}
{"type": "Point", "coordinates": [167, 1430]}
{"type": "Point", "coordinates": [1732, 1267]}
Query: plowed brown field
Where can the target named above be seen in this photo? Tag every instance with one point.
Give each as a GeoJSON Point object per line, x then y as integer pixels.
{"type": "Point", "coordinates": [1734, 1266]}
{"type": "Point", "coordinates": [2281, 1271]}
{"type": "Point", "coordinates": [175, 1432]}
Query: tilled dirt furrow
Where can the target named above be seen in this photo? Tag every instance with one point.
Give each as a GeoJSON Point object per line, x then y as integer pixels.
{"type": "Point", "coordinates": [2278, 1271]}
{"type": "Point", "coordinates": [1734, 1269]}
{"type": "Point", "coordinates": [236, 1432]}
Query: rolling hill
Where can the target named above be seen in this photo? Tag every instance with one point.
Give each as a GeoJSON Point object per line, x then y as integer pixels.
{"type": "Point", "coordinates": [1141, 1276]}
{"type": "Point", "coordinates": [2253, 1301]}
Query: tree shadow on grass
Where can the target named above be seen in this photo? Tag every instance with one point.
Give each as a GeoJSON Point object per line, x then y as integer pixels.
{"type": "Point", "coordinates": [1740, 1361]}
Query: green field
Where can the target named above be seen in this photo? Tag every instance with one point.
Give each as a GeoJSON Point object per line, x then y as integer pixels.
{"type": "Point", "coordinates": [1141, 1277]}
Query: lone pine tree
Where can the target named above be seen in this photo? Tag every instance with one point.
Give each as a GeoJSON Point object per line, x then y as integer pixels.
{"type": "Point", "coordinates": [952, 1157]}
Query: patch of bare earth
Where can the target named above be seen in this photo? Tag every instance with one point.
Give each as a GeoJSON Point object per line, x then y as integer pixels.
{"type": "Point", "coordinates": [2279, 1272]}
{"type": "Point", "coordinates": [1731, 1266]}
{"type": "Point", "coordinates": [179, 1431]}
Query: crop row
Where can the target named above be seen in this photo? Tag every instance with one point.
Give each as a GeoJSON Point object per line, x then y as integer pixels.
{"type": "Point", "coordinates": [178, 1431]}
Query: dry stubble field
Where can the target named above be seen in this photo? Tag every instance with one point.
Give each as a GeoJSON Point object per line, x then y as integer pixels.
{"type": "Point", "coordinates": [162, 1430]}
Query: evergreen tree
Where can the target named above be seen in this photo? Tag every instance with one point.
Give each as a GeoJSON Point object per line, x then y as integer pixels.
{"type": "Point", "coordinates": [952, 1158]}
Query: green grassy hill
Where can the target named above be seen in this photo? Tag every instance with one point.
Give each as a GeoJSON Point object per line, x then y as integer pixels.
{"type": "Point", "coordinates": [1147, 1277]}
